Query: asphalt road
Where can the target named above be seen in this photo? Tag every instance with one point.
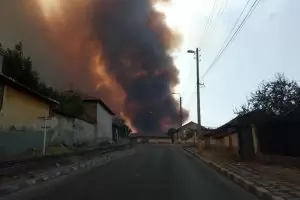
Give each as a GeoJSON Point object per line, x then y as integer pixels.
{"type": "Point", "coordinates": [154, 172]}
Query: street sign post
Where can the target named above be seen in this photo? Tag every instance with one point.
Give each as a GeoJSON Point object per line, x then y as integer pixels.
{"type": "Point", "coordinates": [45, 127]}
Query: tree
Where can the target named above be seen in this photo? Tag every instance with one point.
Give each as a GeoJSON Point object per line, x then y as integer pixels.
{"type": "Point", "coordinates": [279, 96]}
{"type": "Point", "coordinates": [71, 104]}
{"type": "Point", "coordinates": [19, 67]}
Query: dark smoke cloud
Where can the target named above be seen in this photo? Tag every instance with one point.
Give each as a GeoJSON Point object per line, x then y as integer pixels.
{"type": "Point", "coordinates": [130, 37]}
{"type": "Point", "coordinates": [134, 42]}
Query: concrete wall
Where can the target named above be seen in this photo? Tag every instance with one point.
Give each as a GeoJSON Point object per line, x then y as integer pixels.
{"type": "Point", "coordinates": [229, 141]}
{"type": "Point", "coordinates": [67, 130]}
{"type": "Point", "coordinates": [73, 131]}
{"type": "Point", "coordinates": [104, 123]}
{"type": "Point", "coordinates": [20, 109]}
{"type": "Point", "coordinates": [13, 142]}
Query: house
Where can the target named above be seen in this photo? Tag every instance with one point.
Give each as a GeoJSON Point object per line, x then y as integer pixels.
{"type": "Point", "coordinates": [238, 135]}
{"type": "Point", "coordinates": [152, 139]}
{"type": "Point", "coordinates": [117, 129]}
{"type": "Point", "coordinates": [95, 109]}
{"type": "Point", "coordinates": [191, 128]}
{"type": "Point", "coordinates": [20, 106]}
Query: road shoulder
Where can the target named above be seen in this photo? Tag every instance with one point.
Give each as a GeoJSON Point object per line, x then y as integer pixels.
{"type": "Point", "coordinates": [9, 190]}
{"type": "Point", "coordinates": [249, 186]}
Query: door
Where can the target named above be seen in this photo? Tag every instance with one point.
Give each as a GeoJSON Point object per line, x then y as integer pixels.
{"type": "Point", "coordinates": [246, 148]}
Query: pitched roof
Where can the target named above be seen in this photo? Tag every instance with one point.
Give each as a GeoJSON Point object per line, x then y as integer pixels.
{"type": "Point", "coordinates": [97, 100]}
{"type": "Point", "coordinates": [195, 124]}
{"type": "Point", "coordinates": [83, 117]}
{"type": "Point", "coordinates": [117, 123]}
{"type": "Point", "coordinates": [18, 86]}
{"type": "Point", "coordinates": [240, 121]}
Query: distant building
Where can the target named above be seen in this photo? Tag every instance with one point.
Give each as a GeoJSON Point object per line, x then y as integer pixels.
{"type": "Point", "coordinates": [152, 139]}
{"type": "Point", "coordinates": [95, 109]}
{"type": "Point", "coordinates": [192, 127]}
{"type": "Point", "coordinates": [21, 106]}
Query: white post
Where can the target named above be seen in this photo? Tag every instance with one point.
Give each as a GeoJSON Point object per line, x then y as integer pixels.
{"type": "Point", "coordinates": [45, 136]}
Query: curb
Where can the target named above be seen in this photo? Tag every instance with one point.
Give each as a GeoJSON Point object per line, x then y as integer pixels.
{"type": "Point", "coordinates": [47, 176]}
{"type": "Point", "coordinates": [260, 192]}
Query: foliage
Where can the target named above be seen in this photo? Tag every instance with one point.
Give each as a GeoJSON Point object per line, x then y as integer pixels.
{"type": "Point", "coordinates": [71, 105]}
{"type": "Point", "coordinates": [279, 96]}
{"type": "Point", "coordinates": [19, 67]}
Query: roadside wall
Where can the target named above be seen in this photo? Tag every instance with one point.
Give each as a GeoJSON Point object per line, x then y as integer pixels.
{"type": "Point", "coordinates": [66, 130]}
{"type": "Point", "coordinates": [104, 123]}
{"type": "Point", "coordinates": [14, 141]}
{"type": "Point", "coordinates": [71, 131]}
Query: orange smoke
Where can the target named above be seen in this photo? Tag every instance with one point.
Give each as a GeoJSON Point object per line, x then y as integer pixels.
{"type": "Point", "coordinates": [116, 50]}
{"type": "Point", "coordinates": [69, 28]}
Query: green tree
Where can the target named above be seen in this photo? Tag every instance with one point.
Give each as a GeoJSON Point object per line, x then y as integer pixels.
{"type": "Point", "coordinates": [19, 67]}
{"type": "Point", "coordinates": [70, 104]}
{"type": "Point", "coordinates": [279, 96]}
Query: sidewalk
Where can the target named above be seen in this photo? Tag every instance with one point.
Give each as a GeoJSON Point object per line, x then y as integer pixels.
{"type": "Point", "coordinates": [40, 176]}
{"type": "Point", "coordinates": [266, 181]}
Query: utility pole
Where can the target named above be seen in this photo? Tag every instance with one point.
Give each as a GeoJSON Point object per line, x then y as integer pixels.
{"type": "Point", "coordinates": [180, 111]}
{"type": "Point", "coordinates": [196, 53]}
{"type": "Point", "coordinates": [180, 115]}
{"type": "Point", "coordinates": [198, 88]}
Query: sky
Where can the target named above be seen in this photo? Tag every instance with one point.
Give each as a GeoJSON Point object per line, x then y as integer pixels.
{"type": "Point", "coordinates": [268, 43]}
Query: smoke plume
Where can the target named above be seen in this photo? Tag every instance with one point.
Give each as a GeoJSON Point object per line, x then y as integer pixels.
{"type": "Point", "coordinates": [117, 50]}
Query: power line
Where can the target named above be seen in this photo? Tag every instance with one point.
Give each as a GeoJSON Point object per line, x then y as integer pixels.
{"type": "Point", "coordinates": [191, 98]}
{"type": "Point", "coordinates": [237, 21]}
{"type": "Point", "coordinates": [239, 28]}
{"type": "Point", "coordinates": [187, 78]}
{"type": "Point", "coordinates": [209, 21]}
{"type": "Point", "coordinates": [213, 27]}
{"type": "Point", "coordinates": [205, 32]}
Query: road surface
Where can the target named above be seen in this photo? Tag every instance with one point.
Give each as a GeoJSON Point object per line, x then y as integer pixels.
{"type": "Point", "coordinates": [154, 172]}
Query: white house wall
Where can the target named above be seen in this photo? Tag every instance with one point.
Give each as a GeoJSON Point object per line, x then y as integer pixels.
{"type": "Point", "coordinates": [83, 131]}
{"type": "Point", "coordinates": [104, 123]}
